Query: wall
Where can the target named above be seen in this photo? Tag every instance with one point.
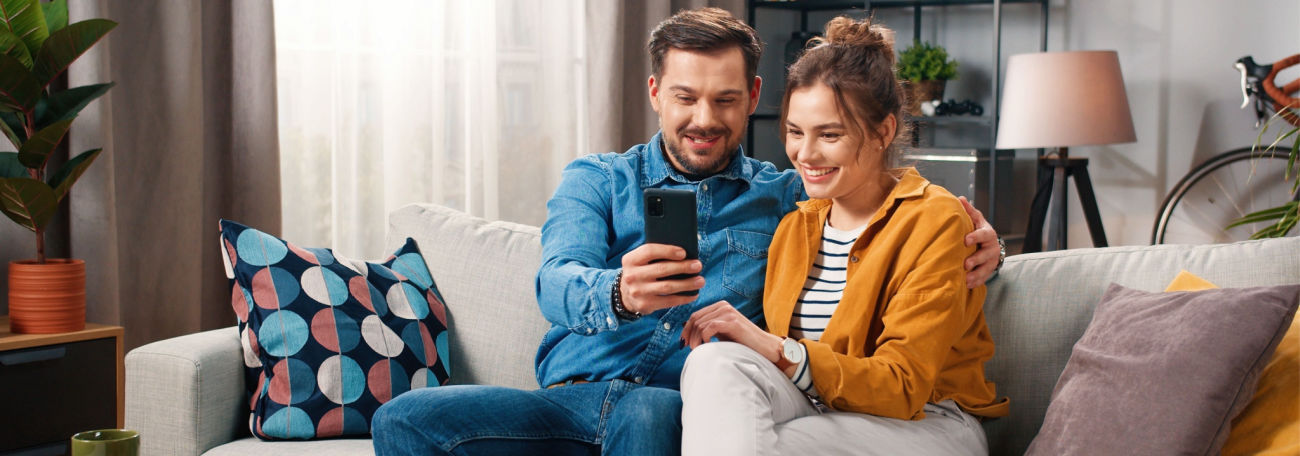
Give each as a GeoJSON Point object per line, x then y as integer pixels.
{"type": "Point", "coordinates": [1176, 56]}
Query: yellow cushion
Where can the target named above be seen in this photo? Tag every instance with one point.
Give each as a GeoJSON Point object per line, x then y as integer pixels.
{"type": "Point", "coordinates": [1270, 425]}
{"type": "Point", "coordinates": [1187, 281]}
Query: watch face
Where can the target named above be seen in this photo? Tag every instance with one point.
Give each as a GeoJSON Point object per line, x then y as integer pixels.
{"type": "Point", "coordinates": [790, 349]}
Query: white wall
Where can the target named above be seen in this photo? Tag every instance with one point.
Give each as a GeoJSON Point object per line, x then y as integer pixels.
{"type": "Point", "coordinates": [1177, 58]}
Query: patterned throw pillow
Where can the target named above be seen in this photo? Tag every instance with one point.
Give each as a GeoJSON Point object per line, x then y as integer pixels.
{"type": "Point", "coordinates": [327, 340]}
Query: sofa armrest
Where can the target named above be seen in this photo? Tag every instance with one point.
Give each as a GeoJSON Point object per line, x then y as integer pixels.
{"type": "Point", "coordinates": [185, 395]}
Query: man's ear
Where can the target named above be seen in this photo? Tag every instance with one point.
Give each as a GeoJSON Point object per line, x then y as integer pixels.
{"type": "Point", "coordinates": [754, 93]}
{"type": "Point", "coordinates": [653, 85]}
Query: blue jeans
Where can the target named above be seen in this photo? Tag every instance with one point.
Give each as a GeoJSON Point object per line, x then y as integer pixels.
{"type": "Point", "coordinates": [615, 418]}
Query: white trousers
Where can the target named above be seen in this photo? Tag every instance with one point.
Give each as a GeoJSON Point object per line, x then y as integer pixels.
{"type": "Point", "coordinates": [735, 402]}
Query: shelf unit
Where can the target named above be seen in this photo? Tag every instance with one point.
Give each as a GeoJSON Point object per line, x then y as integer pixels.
{"type": "Point", "coordinates": [982, 129]}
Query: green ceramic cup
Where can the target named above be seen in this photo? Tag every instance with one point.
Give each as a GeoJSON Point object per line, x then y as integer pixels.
{"type": "Point", "coordinates": [106, 442]}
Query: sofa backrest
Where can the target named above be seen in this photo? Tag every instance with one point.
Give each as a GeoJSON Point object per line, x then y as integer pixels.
{"type": "Point", "coordinates": [1039, 305]}
{"type": "Point", "coordinates": [485, 272]}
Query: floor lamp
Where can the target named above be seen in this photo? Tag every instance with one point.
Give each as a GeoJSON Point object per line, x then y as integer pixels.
{"type": "Point", "coordinates": [1058, 100]}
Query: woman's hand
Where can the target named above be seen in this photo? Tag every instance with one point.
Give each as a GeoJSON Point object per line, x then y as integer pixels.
{"type": "Point", "coordinates": [723, 321]}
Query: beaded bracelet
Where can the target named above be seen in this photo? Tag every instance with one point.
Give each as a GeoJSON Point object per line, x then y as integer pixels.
{"type": "Point", "coordinates": [616, 296]}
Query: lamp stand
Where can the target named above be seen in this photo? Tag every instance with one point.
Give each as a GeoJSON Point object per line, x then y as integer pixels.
{"type": "Point", "coordinates": [1053, 172]}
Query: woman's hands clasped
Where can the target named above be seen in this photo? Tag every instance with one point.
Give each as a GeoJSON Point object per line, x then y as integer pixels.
{"type": "Point", "coordinates": [723, 321]}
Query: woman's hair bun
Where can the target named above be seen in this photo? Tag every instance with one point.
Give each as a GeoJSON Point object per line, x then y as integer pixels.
{"type": "Point", "coordinates": [844, 31]}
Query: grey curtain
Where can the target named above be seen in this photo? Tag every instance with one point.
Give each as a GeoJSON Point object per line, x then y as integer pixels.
{"type": "Point", "coordinates": [620, 112]}
{"type": "Point", "coordinates": [190, 136]}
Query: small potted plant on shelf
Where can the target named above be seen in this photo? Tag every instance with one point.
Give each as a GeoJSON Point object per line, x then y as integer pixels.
{"type": "Point", "coordinates": [36, 46]}
{"type": "Point", "coordinates": [927, 69]}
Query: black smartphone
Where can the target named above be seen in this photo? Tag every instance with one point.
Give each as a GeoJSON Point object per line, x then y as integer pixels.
{"type": "Point", "coordinates": [670, 219]}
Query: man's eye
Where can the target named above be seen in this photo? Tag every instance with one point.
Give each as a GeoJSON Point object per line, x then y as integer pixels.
{"type": "Point", "coordinates": [726, 100]}
{"type": "Point", "coordinates": [793, 132]}
{"type": "Point", "coordinates": [831, 136]}
{"type": "Point", "coordinates": [687, 100]}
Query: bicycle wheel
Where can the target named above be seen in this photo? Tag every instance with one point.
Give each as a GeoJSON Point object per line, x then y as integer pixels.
{"type": "Point", "coordinates": [1223, 189]}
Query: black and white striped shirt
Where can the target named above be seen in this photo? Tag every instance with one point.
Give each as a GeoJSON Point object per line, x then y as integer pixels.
{"type": "Point", "coordinates": [821, 293]}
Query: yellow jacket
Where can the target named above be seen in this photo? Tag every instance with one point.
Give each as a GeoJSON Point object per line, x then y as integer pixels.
{"type": "Point", "coordinates": [907, 330]}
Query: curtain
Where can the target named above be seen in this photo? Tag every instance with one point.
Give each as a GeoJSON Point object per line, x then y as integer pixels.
{"type": "Point", "coordinates": [189, 136]}
{"type": "Point", "coordinates": [472, 105]}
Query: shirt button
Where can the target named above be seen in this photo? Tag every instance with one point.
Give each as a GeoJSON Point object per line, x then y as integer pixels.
{"type": "Point", "coordinates": [667, 326]}
{"type": "Point", "coordinates": [638, 379]}
{"type": "Point", "coordinates": [699, 236]}
{"type": "Point", "coordinates": [609, 321]}
{"type": "Point", "coordinates": [704, 187]}
{"type": "Point", "coordinates": [588, 330]}
{"type": "Point", "coordinates": [853, 259]}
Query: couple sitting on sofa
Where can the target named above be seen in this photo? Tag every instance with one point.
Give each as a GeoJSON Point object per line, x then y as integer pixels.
{"type": "Point", "coordinates": [875, 340]}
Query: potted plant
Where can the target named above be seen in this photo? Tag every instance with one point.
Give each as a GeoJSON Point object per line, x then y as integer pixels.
{"type": "Point", "coordinates": [927, 69]}
{"type": "Point", "coordinates": [36, 46]}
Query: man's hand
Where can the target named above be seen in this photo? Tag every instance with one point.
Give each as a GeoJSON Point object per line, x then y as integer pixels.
{"type": "Point", "coordinates": [723, 321]}
{"type": "Point", "coordinates": [642, 290]}
{"type": "Point", "coordinates": [981, 264]}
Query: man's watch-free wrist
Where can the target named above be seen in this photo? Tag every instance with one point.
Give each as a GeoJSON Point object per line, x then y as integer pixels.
{"type": "Point", "coordinates": [616, 298]}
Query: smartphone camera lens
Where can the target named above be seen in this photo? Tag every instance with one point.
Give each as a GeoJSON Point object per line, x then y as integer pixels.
{"type": "Point", "coordinates": [656, 207]}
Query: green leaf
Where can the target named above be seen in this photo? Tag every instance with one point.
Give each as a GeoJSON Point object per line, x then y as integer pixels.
{"type": "Point", "coordinates": [18, 89]}
{"type": "Point", "coordinates": [27, 201]}
{"type": "Point", "coordinates": [26, 20]}
{"type": "Point", "coordinates": [66, 104]}
{"type": "Point", "coordinates": [64, 46]}
{"type": "Point", "coordinates": [1260, 216]}
{"type": "Point", "coordinates": [37, 149]}
{"type": "Point", "coordinates": [12, 125]}
{"type": "Point", "coordinates": [56, 15]}
{"type": "Point", "coordinates": [14, 47]}
{"type": "Point", "coordinates": [68, 175]}
{"type": "Point", "coordinates": [10, 166]}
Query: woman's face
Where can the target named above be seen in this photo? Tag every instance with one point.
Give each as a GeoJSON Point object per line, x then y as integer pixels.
{"type": "Point", "coordinates": [833, 162]}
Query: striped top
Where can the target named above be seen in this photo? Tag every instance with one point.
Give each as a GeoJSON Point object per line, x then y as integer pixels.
{"type": "Point", "coordinates": [821, 293]}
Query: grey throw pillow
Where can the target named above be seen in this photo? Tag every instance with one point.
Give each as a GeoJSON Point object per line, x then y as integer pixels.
{"type": "Point", "coordinates": [1164, 373]}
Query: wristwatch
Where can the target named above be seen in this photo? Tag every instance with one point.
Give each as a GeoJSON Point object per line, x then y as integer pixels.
{"type": "Point", "coordinates": [1002, 254]}
{"type": "Point", "coordinates": [791, 354]}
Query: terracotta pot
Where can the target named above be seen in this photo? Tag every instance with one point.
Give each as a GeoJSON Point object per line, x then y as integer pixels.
{"type": "Point", "coordinates": [47, 298]}
{"type": "Point", "coordinates": [919, 91]}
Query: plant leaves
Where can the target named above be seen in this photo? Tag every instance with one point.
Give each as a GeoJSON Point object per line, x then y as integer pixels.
{"type": "Point", "coordinates": [26, 20]}
{"type": "Point", "coordinates": [64, 46]}
{"type": "Point", "coordinates": [18, 89]}
{"type": "Point", "coordinates": [27, 201]}
{"type": "Point", "coordinates": [1263, 215]}
{"type": "Point", "coordinates": [10, 167]}
{"type": "Point", "coordinates": [66, 104]}
{"type": "Point", "coordinates": [36, 151]}
{"type": "Point", "coordinates": [14, 47]}
{"type": "Point", "coordinates": [56, 15]}
{"type": "Point", "coordinates": [68, 175]}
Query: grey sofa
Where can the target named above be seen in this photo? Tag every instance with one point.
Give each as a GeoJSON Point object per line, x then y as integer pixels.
{"type": "Point", "coordinates": [186, 395]}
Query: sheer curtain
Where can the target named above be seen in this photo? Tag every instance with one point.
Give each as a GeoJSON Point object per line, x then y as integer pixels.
{"type": "Point", "coordinates": [473, 105]}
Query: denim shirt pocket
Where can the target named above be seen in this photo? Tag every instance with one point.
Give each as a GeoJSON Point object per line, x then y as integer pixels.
{"type": "Point", "coordinates": [746, 262]}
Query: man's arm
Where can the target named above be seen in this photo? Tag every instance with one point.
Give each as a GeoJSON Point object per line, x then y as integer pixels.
{"type": "Point", "coordinates": [986, 260]}
{"type": "Point", "coordinates": [574, 283]}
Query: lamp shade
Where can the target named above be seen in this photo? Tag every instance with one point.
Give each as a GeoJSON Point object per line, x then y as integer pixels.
{"type": "Point", "coordinates": [1063, 99]}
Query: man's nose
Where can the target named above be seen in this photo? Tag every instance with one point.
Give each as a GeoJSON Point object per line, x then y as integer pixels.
{"type": "Point", "coordinates": [706, 116]}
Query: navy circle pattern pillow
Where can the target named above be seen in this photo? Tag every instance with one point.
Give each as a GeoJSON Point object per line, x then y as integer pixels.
{"type": "Point", "coordinates": [328, 340]}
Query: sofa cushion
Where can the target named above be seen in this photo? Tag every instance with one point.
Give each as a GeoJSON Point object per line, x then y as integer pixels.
{"type": "Point", "coordinates": [326, 339]}
{"type": "Point", "coordinates": [1164, 372]}
{"type": "Point", "coordinates": [1039, 305]}
{"type": "Point", "coordinates": [487, 271]}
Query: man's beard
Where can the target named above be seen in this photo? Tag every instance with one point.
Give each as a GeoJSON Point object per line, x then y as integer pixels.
{"type": "Point", "coordinates": [716, 165]}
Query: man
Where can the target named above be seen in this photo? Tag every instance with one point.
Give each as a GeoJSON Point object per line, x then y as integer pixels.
{"type": "Point", "coordinates": [610, 365]}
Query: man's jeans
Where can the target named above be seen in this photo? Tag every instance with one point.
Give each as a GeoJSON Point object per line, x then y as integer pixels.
{"type": "Point", "coordinates": [615, 418]}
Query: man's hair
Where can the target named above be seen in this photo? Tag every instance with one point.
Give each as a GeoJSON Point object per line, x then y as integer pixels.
{"type": "Point", "coordinates": [707, 30]}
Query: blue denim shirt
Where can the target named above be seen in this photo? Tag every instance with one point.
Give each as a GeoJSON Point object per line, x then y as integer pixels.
{"type": "Point", "coordinates": [595, 217]}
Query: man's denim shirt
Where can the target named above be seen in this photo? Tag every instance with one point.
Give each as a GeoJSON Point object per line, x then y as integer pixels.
{"type": "Point", "coordinates": [595, 217]}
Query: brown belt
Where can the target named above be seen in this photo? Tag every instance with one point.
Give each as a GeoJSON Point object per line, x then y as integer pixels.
{"type": "Point", "coordinates": [568, 382]}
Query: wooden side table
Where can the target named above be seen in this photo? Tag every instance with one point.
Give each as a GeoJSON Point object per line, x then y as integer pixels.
{"type": "Point", "coordinates": [55, 385]}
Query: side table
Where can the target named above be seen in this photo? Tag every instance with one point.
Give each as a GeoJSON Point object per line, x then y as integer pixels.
{"type": "Point", "coordinates": [56, 385]}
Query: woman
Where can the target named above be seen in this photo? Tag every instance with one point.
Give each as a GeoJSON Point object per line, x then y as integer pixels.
{"type": "Point", "coordinates": [876, 345]}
